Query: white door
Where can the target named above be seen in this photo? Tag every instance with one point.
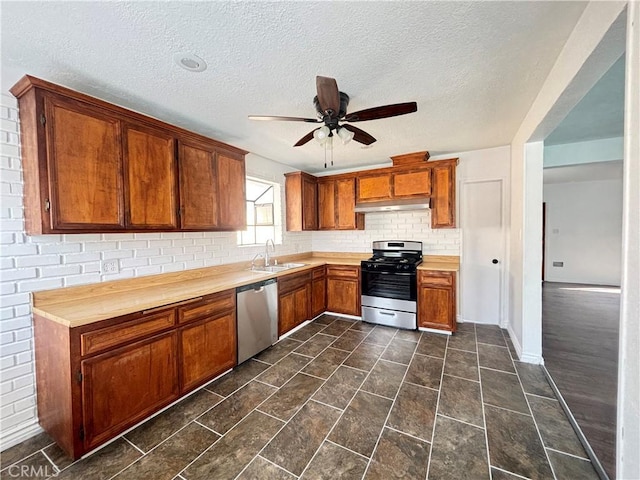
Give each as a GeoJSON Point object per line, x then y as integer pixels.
{"type": "Point", "coordinates": [482, 251]}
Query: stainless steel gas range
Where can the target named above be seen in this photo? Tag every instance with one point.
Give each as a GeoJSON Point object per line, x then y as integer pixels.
{"type": "Point", "coordinates": [389, 283]}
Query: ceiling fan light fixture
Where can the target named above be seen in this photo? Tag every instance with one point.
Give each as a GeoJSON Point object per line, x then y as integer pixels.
{"type": "Point", "coordinates": [345, 135]}
{"type": "Point", "coordinates": [321, 134]}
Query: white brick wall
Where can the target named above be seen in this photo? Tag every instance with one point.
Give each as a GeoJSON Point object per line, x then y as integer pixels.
{"type": "Point", "coordinates": [409, 225]}
{"type": "Point", "coordinates": [31, 263]}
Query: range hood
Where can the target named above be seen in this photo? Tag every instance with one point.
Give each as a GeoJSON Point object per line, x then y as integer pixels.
{"type": "Point", "coordinates": [393, 205]}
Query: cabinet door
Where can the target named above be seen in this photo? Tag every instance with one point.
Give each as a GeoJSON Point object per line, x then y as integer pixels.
{"type": "Point", "coordinates": [374, 187]}
{"type": "Point", "coordinates": [343, 295]}
{"type": "Point", "coordinates": [208, 349]}
{"type": "Point", "coordinates": [326, 205]}
{"type": "Point", "coordinates": [412, 184]}
{"type": "Point", "coordinates": [437, 300]}
{"type": "Point", "coordinates": [318, 292]}
{"type": "Point", "coordinates": [84, 165]}
{"type": "Point", "coordinates": [232, 200]}
{"type": "Point", "coordinates": [198, 186]}
{"type": "Point", "coordinates": [346, 217]}
{"type": "Point", "coordinates": [443, 197]}
{"type": "Point", "coordinates": [293, 308]}
{"type": "Point", "coordinates": [309, 204]}
{"type": "Point", "coordinates": [121, 387]}
{"type": "Point", "coordinates": [150, 178]}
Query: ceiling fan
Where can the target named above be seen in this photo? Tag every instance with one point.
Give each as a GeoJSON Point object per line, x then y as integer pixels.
{"type": "Point", "coordinates": [331, 106]}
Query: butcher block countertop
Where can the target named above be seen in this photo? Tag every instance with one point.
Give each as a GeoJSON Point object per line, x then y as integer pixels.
{"type": "Point", "coordinates": [85, 304]}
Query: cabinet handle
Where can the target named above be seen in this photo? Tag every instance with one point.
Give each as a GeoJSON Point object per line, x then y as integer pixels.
{"type": "Point", "coordinates": [179, 304]}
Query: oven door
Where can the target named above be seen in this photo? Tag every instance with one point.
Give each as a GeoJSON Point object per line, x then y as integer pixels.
{"type": "Point", "coordinates": [395, 285]}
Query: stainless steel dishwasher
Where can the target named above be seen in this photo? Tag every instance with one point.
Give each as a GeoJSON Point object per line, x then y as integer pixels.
{"type": "Point", "coordinates": [257, 307]}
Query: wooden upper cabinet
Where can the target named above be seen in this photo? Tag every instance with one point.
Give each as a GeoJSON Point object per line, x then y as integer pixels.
{"type": "Point", "coordinates": [232, 201]}
{"type": "Point", "coordinates": [411, 184]}
{"type": "Point", "coordinates": [84, 167]}
{"type": "Point", "coordinates": [443, 197]}
{"type": "Point", "coordinates": [346, 217]}
{"type": "Point", "coordinates": [301, 192]}
{"type": "Point", "coordinates": [198, 186]}
{"type": "Point", "coordinates": [91, 166]}
{"type": "Point", "coordinates": [150, 178]}
{"type": "Point", "coordinates": [373, 188]}
{"type": "Point", "coordinates": [326, 204]}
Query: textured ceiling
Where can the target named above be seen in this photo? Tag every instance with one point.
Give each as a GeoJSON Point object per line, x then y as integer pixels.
{"type": "Point", "coordinates": [600, 114]}
{"type": "Point", "coordinates": [474, 68]}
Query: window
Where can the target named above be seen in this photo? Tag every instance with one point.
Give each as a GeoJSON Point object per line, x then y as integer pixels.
{"type": "Point", "coordinates": [263, 213]}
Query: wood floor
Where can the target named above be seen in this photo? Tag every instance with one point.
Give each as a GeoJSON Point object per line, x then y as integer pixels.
{"type": "Point", "coordinates": [580, 348]}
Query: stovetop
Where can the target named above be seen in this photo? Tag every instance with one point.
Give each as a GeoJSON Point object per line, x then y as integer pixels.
{"type": "Point", "coordinates": [394, 256]}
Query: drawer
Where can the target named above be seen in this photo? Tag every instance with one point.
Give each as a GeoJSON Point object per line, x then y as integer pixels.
{"type": "Point", "coordinates": [318, 272]}
{"type": "Point", "coordinates": [208, 306]}
{"type": "Point", "coordinates": [343, 271]}
{"type": "Point", "coordinates": [105, 338]}
{"type": "Point", "coordinates": [435, 277]}
{"type": "Point", "coordinates": [288, 283]}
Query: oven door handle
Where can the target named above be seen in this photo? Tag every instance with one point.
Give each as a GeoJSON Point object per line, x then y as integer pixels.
{"type": "Point", "coordinates": [400, 274]}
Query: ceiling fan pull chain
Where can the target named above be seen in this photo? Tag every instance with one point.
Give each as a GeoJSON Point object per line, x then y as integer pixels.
{"type": "Point", "coordinates": [325, 154]}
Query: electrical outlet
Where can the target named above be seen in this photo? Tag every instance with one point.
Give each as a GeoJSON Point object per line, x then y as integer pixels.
{"type": "Point", "coordinates": [110, 266]}
{"type": "Point", "coordinates": [558, 264]}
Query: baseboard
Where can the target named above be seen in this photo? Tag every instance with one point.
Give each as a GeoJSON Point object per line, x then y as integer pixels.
{"type": "Point", "coordinates": [434, 330]}
{"type": "Point", "coordinates": [344, 315]}
{"type": "Point", "coordinates": [19, 435]}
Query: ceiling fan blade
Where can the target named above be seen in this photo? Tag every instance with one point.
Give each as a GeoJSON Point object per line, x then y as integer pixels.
{"type": "Point", "coordinates": [284, 119]}
{"type": "Point", "coordinates": [328, 95]}
{"type": "Point", "coordinates": [306, 138]}
{"type": "Point", "coordinates": [359, 135]}
{"type": "Point", "coordinates": [384, 111]}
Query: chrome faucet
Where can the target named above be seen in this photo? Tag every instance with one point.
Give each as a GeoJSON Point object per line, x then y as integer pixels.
{"type": "Point", "coordinates": [253, 262]}
{"type": "Point", "coordinates": [266, 252]}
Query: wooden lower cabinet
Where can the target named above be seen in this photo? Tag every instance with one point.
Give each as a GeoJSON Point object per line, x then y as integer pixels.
{"type": "Point", "coordinates": [294, 300]}
{"type": "Point", "coordinates": [343, 289]}
{"type": "Point", "coordinates": [121, 387]}
{"type": "Point", "coordinates": [318, 291]}
{"type": "Point", "coordinates": [437, 300]}
{"type": "Point", "coordinates": [97, 380]}
{"type": "Point", "coordinates": [208, 349]}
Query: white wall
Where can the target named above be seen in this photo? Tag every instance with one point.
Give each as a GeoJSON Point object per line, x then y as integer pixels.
{"type": "Point", "coordinates": [584, 231]}
{"type": "Point", "coordinates": [603, 150]}
{"type": "Point", "coordinates": [32, 263]}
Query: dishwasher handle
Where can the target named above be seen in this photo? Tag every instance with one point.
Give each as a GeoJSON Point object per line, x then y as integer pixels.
{"type": "Point", "coordinates": [257, 286]}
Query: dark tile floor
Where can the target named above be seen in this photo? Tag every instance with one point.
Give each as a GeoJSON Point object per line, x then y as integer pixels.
{"type": "Point", "coordinates": [339, 400]}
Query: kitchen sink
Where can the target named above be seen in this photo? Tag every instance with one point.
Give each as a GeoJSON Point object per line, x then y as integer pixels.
{"type": "Point", "coordinates": [278, 268]}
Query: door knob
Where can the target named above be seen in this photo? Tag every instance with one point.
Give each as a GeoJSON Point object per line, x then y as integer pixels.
{"type": "Point", "coordinates": [494, 261]}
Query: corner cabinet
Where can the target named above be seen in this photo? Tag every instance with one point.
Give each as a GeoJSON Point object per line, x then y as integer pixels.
{"type": "Point", "coordinates": [437, 300]}
{"type": "Point", "coordinates": [336, 204]}
{"type": "Point", "coordinates": [301, 191]}
{"type": "Point", "coordinates": [90, 166]}
{"type": "Point", "coordinates": [97, 380]}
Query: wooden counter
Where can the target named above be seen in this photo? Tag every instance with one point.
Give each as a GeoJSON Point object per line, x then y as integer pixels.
{"type": "Point", "coordinates": [82, 305]}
